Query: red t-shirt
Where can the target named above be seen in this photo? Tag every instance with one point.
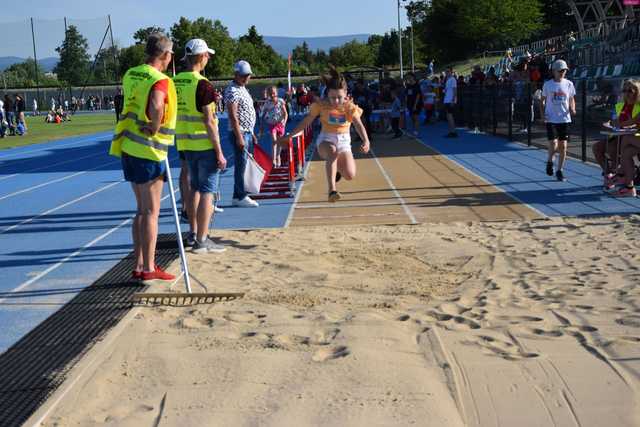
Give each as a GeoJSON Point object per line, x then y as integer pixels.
{"type": "Point", "coordinates": [625, 114]}
{"type": "Point", "coordinates": [162, 86]}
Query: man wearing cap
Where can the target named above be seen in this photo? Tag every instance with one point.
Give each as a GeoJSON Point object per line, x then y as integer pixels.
{"type": "Point", "coordinates": [142, 139]}
{"type": "Point", "coordinates": [558, 105]}
{"type": "Point", "coordinates": [242, 120]}
{"type": "Point", "coordinates": [198, 138]}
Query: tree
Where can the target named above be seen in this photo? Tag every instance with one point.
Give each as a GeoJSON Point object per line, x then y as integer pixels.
{"type": "Point", "coordinates": [352, 54]}
{"type": "Point", "coordinates": [23, 74]}
{"type": "Point", "coordinates": [106, 66]}
{"type": "Point", "coordinates": [455, 29]}
{"type": "Point", "coordinates": [263, 58]}
{"type": "Point", "coordinates": [73, 67]}
{"type": "Point", "coordinates": [143, 34]}
{"type": "Point", "coordinates": [217, 37]}
{"type": "Point", "coordinates": [131, 56]}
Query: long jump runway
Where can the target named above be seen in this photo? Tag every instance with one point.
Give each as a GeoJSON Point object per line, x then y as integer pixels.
{"type": "Point", "coordinates": [403, 181]}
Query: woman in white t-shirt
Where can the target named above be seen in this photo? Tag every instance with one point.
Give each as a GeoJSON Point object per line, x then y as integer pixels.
{"type": "Point", "coordinates": [274, 113]}
{"type": "Point", "coordinates": [558, 105]}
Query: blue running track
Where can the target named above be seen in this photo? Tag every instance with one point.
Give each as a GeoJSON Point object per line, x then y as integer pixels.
{"type": "Point", "coordinates": [65, 215]}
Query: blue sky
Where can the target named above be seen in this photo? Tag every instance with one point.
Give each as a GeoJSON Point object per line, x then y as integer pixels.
{"type": "Point", "coordinates": [299, 18]}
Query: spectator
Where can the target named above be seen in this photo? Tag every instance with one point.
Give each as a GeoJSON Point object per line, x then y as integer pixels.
{"type": "Point", "coordinates": [396, 113]}
{"type": "Point", "coordinates": [35, 107]}
{"type": "Point", "coordinates": [118, 101]}
{"type": "Point", "coordinates": [3, 126]}
{"type": "Point", "coordinates": [274, 114]}
{"type": "Point", "coordinates": [362, 97]}
{"type": "Point", "coordinates": [413, 100]}
{"type": "Point", "coordinates": [477, 76]}
{"type": "Point", "coordinates": [430, 68]}
{"type": "Point", "coordinates": [21, 122]}
{"type": "Point", "coordinates": [629, 116]}
{"type": "Point", "coordinates": [53, 103]}
{"type": "Point", "coordinates": [450, 100]}
{"type": "Point", "coordinates": [242, 121]}
{"type": "Point", "coordinates": [492, 78]}
{"type": "Point", "coordinates": [558, 105]}
{"type": "Point", "coordinates": [9, 113]}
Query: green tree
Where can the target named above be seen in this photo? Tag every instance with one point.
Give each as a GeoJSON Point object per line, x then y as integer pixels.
{"type": "Point", "coordinates": [73, 67]}
{"type": "Point", "coordinates": [143, 34]}
{"type": "Point", "coordinates": [106, 66]}
{"type": "Point", "coordinates": [263, 58]}
{"type": "Point", "coordinates": [217, 37]}
{"type": "Point", "coordinates": [23, 74]}
{"type": "Point", "coordinates": [129, 57]}
{"type": "Point", "coordinates": [352, 54]}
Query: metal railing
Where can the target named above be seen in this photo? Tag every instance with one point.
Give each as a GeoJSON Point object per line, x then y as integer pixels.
{"type": "Point", "coordinates": [513, 110]}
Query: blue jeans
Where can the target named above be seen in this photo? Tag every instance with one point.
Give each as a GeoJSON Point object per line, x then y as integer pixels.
{"type": "Point", "coordinates": [203, 171]}
{"type": "Point", "coordinates": [240, 163]}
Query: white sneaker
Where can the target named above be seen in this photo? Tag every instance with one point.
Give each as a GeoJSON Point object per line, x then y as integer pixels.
{"type": "Point", "coordinates": [218, 209]}
{"type": "Point", "coordinates": [247, 202]}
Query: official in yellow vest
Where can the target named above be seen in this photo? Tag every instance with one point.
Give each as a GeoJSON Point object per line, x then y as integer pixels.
{"type": "Point", "coordinates": [142, 139]}
{"type": "Point", "coordinates": [630, 145]}
{"type": "Point", "coordinates": [624, 111]}
{"type": "Point", "coordinates": [197, 136]}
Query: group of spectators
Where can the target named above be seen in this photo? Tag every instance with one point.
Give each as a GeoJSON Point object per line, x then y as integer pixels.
{"type": "Point", "coordinates": [12, 115]}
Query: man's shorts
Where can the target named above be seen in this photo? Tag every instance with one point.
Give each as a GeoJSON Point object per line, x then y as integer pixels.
{"type": "Point", "coordinates": [342, 141]}
{"type": "Point", "coordinates": [450, 108]}
{"type": "Point", "coordinates": [559, 131]}
{"type": "Point", "coordinates": [203, 171]}
{"type": "Point", "coordinates": [141, 171]}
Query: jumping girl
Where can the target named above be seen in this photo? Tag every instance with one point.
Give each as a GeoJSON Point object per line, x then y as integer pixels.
{"type": "Point", "coordinates": [336, 113]}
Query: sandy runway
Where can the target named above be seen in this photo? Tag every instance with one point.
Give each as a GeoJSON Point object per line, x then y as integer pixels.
{"type": "Point", "coordinates": [480, 324]}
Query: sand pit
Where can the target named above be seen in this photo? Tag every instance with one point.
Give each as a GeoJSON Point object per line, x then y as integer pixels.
{"type": "Point", "coordinates": [485, 324]}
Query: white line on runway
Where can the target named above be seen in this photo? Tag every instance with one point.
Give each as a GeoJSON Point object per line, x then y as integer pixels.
{"type": "Point", "coordinates": [50, 211]}
{"type": "Point", "coordinates": [412, 218]}
{"type": "Point", "coordinates": [52, 165]}
{"type": "Point", "coordinates": [73, 255]}
{"type": "Point", "coordinates": [355, 204]}
{"type": "Point", "coordinates": [92, 137]}
{"type": "Point", "coordinates": [299, 191]}
{"type": "Point", "coordinates": [64, 178]}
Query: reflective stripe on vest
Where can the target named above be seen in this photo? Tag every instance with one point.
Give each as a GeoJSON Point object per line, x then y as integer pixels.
{"type": "Point", "coordinates": [191, 131]}
{"type": "Point", "coordinates": [134, 117]}
{"type": "Point", "coordinates": [128, 138]}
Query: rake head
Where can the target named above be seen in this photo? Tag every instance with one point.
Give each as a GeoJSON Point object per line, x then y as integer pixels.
{"type": "Point", "coordinates": [182, 299]}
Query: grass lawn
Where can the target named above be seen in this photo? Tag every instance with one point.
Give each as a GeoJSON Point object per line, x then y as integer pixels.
{"type": "Point", "coordinates": [39, 131]}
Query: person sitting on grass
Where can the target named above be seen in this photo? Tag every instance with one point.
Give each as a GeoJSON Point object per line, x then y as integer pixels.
{"type": "Point", "coordinates": [336, 113]}
{"type": "Point", "coordinates": [624, 111]}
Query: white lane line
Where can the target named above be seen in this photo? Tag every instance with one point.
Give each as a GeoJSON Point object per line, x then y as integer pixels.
{"type": "Point", "coordinates": [52, 165]}
{"type": "Point", "coordinates": [299, 192]}
{"type": "Point", "coordinates": [456, 162]}
{"type": "Point", "coordinates": [90, 138]}
{"type": "Point", "coordinates": [64, 178]}
{"type": "Point", "coordinates": [50, 211]}
{"type": "Point", "coordinates": [346, 205]}
{"type": "Point", "coordinates": [324, 217]}
{"type": "Point", "coordinates": [34, 279]}
{"type": "Point", "coordinates": [412, 218]}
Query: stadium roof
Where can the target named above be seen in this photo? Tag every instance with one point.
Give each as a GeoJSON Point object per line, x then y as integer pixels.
{"type": "Point", "coordinates": [590, 13]}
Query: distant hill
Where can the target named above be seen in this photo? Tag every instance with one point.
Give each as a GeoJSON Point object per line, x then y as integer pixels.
{"type": "Point", "coordinates": [47, 64]}
{"type": "Point", "coordinates": [284, 45]}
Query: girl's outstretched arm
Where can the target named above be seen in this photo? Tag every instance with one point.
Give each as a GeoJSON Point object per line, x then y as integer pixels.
{"type": "Point", "coordinates": [357, 123]}
{"type": "Point", "coordinates": [284, 140]}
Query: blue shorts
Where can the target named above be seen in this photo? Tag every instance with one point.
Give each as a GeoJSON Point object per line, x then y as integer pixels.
{"type": "Point", "coordinates": [203, 171]}
{"type": "Point", "coordinates": [141, 171]}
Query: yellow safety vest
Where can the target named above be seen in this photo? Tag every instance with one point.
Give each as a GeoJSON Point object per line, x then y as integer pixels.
{"type": "Point", "coordinates": [620, 106]}
{"type": "Point", "coordinates": [191, 132]}
{"type": "Point", "coordinates": [128, 138]}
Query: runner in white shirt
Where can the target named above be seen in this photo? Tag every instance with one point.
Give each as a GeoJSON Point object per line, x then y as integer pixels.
{"type": "Point", "coordinates": [558, 105]}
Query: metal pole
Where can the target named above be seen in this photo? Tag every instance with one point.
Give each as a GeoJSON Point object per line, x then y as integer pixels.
{"type": "Point", "coordinates": [400, 42]}
{"type": "Point", "coordinates": [413, 64]}
{"type": "Point", "coordinates": [35, 61]}
{"type": "Point", "coordinates": [176, 218]}
{"type": "Point", "coordinates": [583, 116]}
{"type": "Point", "coordinates": [113, 49]}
